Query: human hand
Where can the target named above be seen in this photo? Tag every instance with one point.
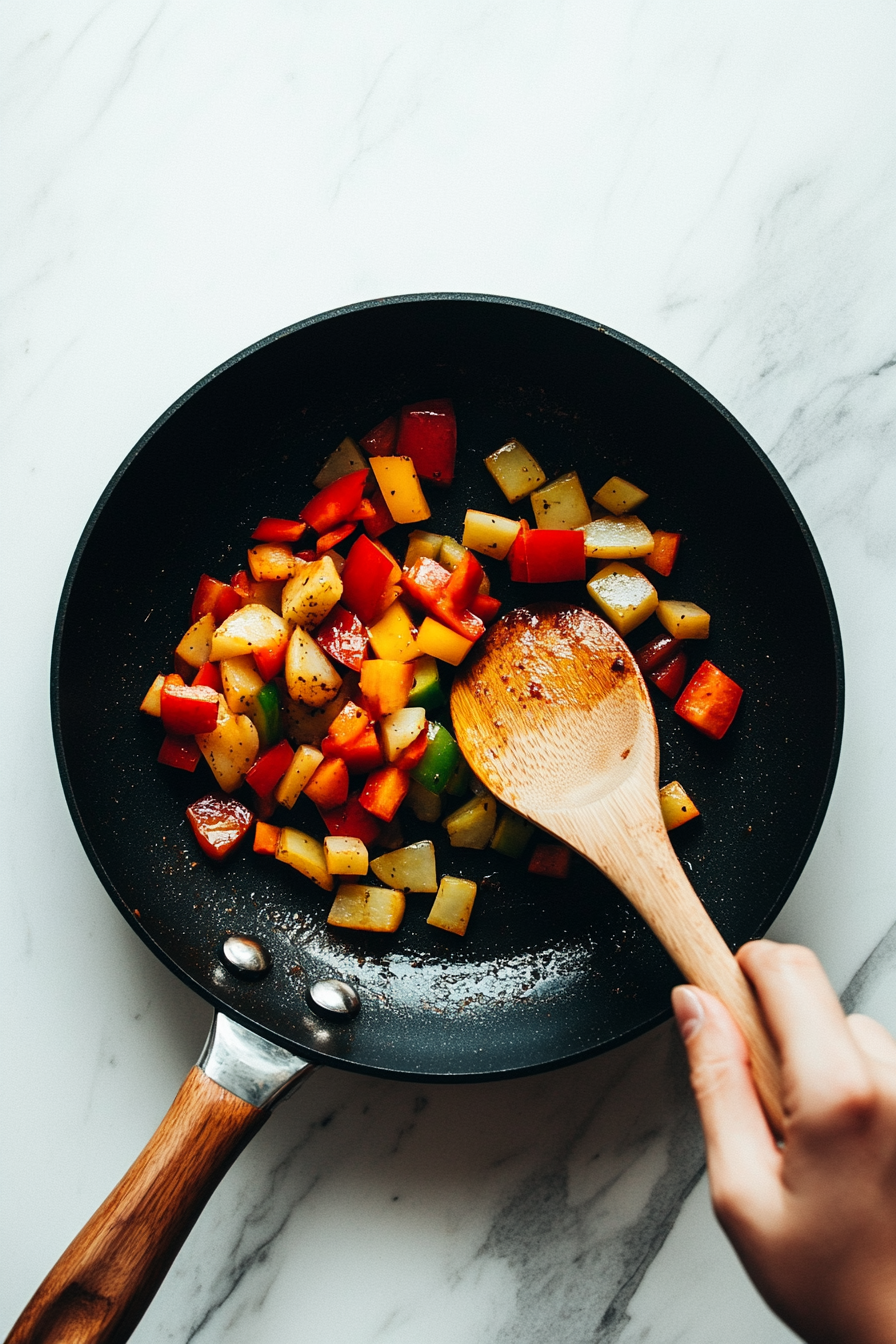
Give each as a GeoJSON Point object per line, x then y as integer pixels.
{"type": "Point", "coordinates": [814, 1220]}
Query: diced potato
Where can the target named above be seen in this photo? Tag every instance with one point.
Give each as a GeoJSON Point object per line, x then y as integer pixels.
{"type": "Point", "coordinates": [309, 724]}
{"type": "Point", "coordinates": [677, 807]}
{"type": "Point", "coordinates": [305, 854]}
{"type": "Point", "coordinates": [230, 748]}
{"type": "Point", "coordinates": [272, 562]}
{"type": "Point", "coordinates": [515, 470]}
{"type": "Point", "coordinates": [152, 700]}
{"type": "Point", "coordinates": [489, 533]}
{"type": "Point", "coordinates": [395, 636]}
{"type": "Point", "coordinates": [241, 681]}
{"type": "Point", "coordinates": [374, 909]}
{"type": "Point", "coordinates": [473, 824]}
{"type": "Point", "coordinates": [624, 595]}
{"type": "Point", "coordinates": [302, 767]}
{"type": "Point", "coordinates": [410, 869]}
{"type": "Point", "coordinates": [437, 640]}
{"type": "Point", "coordinates": [310, 676]}
{"type": "Point", "coordinates": [252, 627]}
{"type": "Point", "coordinates": [561, 504]}
{"type": "Point", "coordinates": [684, 620]}
{"type": "Point", "coordinates": [311, 594]}
{"type": "Point", "coordinates": [427, 544]}
{"type": "Point", "coordinates": [453, 905]}
{"type": "Point", "coordinates": [346, 856]}
{"type": "Point", "coordinates": [620, 496]}
{"type": "Point", "coordinates": [196, 644]}
{"type": "Point", "coordinates": [347, 457]}
{"type": "Point", "coordinates": [425, 805]}
{"type": "Point", "coordinates": [398, 481]}
{"type": "Point", "coordinates": [400, 729]}
{"type": "Point", "coordinates": [623, 538]}
{"type": "Point", "coordinates": [269, 593]}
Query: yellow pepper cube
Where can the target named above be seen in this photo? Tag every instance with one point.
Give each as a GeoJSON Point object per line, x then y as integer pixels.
{"type": "Point", "coordinates": [676, 806]}
{"type": "Point", "coordinates": [346, 856]}
{"type": "Point", "coordinates": [395, 636]}
{"type": "Point", "coordinates": [624, 595]}
{"type": "Point", "coordinates": [620, 496]}
{"type": "Point", "coordinates": [684, 620]}
{"type": "Point", "coordinates": [440, 642]}
{"type": "Point", "coordinates": [453, 905]}
{"type": "Point", "coordinates": [562, 504]}
{"type": "Point", "coordinates": [401, 489]}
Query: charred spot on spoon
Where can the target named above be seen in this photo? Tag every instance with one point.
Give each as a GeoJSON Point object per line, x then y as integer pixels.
{"type": "Point", "coordinates": [618, 665]}
{"type": "Point", "coordinates": [626, 752]}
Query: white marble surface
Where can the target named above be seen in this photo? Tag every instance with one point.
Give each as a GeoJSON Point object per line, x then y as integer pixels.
{"type": "Point", "coordinates": [182, 177]}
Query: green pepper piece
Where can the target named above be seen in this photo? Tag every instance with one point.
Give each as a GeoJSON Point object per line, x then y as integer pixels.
{"type": "Point", "coordinates": [266, 716]}
{"type": "Point", "coordinates": [459, 783]}
{"type": "Point", "coordinates": [512, 834]}
{"type": "Point", "coordinates": [426, 691]}
{"type": "Point", "coordinates": [439, 759]}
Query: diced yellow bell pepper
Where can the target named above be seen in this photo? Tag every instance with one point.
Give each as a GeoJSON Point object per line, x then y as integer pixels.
{"type": "Point", "coordinates": [624, 595]}
{"type": "Point", "coordinates": [395, 636]}
{"type": "Point", "coordinates": [440, 642]}
{"type": "Point", "coordinates": [684, 620]}
{"type": "Point", "coordinates": [676, 806]}
{"type": "Point", "coordinates": [401, 489]}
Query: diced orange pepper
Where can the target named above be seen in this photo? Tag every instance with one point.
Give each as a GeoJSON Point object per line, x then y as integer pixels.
{"type": "Point", "coordinates": [385, 791]}
{"type": "Point", "coordinates": [386, 685]}
{"type": "Point", "coordinates": [364, 754]}
{"type": "Point", "coordinates": [328, 786]}
{"type": "Point", "coordinates": [331, 539]}
{"type": "Point", "coordinates": [664, 553]}
{"type": "Point", "coordinates": [710, 701]}
{"type": "Point", "coordinates": [266, 839]}
{"type": "Point", "coordinates": [347, 726]}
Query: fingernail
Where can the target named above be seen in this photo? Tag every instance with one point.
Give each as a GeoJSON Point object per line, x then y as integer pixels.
{"type": "Point", "coordinates": [688, 1011]}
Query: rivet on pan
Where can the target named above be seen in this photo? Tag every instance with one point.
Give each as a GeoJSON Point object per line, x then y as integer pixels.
{"type": "Point", "coordinates": [246, 956]}
{"type": "Point", "coordinates": [333, 999]}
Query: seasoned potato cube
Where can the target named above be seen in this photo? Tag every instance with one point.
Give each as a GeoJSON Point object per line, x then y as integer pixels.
{"type": "Point", "coordinates": [394, 637]}
{"type": "Point", "coordinates": [272, 562]}
{"type": "Point", "coordinates": [397, 479]}
{"type": "Point", "coordinates": [410, 869]}
{"type": "Point", "coordinates": [684, 620]}
{"type": "Point", "coordinates": [305, 854]}
{"type": "Point", "coordinates": [311, 594]}
{"type": "Point", "coordinates": [300, 770]}
{"type": "Point", "coordinates": [677, 807]}
{"type": "Point", "coordinates": [400, 729]}
{"type": "Point", "coordinates": [453, 905]}
{"type": "Point", "coordinates": [230, 748]}
{"type": "Point", "coordinates": [347, 457]}
{"type": "Point", "coordinates": [196, 644]}
{"type": "Point", "coordinates": [310, 723]}
{"type": "Point", "coordinates": [562, 504]}
{"type": "Point", "coordinates": [374, 909]}
{"type": "Point", "coordinates": [515, 470]}
{"type": "Point", "coordinates": [623, 538]}
{"type": "Point", "coordinates": [425, 805]}
{"type": "Point", "coordinates": [252, 627]}
{"type": "Point", "coordinates": [624, 595]}
{"type": "Point", "coordinates": [489, 533]}
{"type": "Point", "coordinates": [473, 824]}
{"type": "Point", "coordinates": [310, 676]}
{"type": "Point", "coordinates": [346, 856]}
{"type": "Point", "coordinates": [619, 496]}
{"type": "Point", "coordinates": [241, 682]}
{"type": "Point", "coordinates": [152, 700]}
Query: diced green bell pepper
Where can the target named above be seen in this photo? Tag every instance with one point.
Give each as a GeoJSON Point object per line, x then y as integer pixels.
{"type": "Point", "coordinates": [266, 715]}
{"type": "Point", "coordinates": [426, 691]}
{"type": "Point", "coordinates": [512, 834]}
{"type": "Point", "coordinates": [439, 759]}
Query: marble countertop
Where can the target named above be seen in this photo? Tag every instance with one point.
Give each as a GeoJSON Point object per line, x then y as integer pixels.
{"type": "Point", "coordinates": [716, 181]}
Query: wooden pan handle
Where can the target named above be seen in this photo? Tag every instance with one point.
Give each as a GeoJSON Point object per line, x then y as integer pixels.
{"type": "Point", "coordinates": [105, 1280]}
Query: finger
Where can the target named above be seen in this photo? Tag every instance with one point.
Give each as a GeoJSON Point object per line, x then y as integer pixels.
{"type": "Point", "coordinates": [823, 1070]}
{"type": "Point", "coordinates": [741, 1154]}
{"type": "Point", "coordinates": [871, 1038]}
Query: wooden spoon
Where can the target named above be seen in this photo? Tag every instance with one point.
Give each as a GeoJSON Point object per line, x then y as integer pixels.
{"type": "Point", "coordinates": [553, 715]}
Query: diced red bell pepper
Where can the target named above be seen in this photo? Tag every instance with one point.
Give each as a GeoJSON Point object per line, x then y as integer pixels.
{"type": "Point", "coordinates": [332, 505]}
{"type": "Point", "coordinates": [710, 701]}
{"type": "Point", "coordinates": [427, 434]}
{"type": "Point", "coordinates": [331, 539]}
{"type": "Point", "coordinates": [240, 585]}
{"type": "Point", "coordinates": [380, 441]}
{"type": "Point", "coordinates": [550, 861]}
{"type": "Point", "coordinates": [307, 556]}
{"type": "Point", "coordinates": [270, 768]}
{"type": "Point", "coordinates": [213, 596]}
{"type": "Point", "coordinates": [368, 571]}
{"type": "Point", "coordinates": [279, 529]}
{"type": "Point", "coordinates": [346, 728]}
{"type": "Point", "coordinates": [411, 757]}
{"type": "Point", "coordinates": [209, 674]}
{"type": "Point", "coordinates": [328, 786]}
{"type": "Point", "coordinates": [364, 510]}
{"type": "Point", "coordinates": [427, 583]}
{"type": "Point", "coordinates": [181, 752]}
{"type": "Point", "coordinates": [385, 791]}
{"type": "Point", "coordinates": [516, 556]}
{"type": "Point", "coordinates": [656, 652]}
{"type": "Point", "coordinates": [464, 583]}
{"type": "Point", "coordinates": [270, 659]}
{"type": "Point", "coordinates": [219, 824]}
{"type": "Point", "coordinates": [187, 710]}
{"type": "Point", "coordinates": [343, 637]}
{"type": "Point", "coordinates": [267, 838]}
{"type": "Point", "coordinates": [485, 607]}
{"type": "Point", "coordinates": [554, 555]}
{"type": "Point", "coordinates": [382, 519]}
{"type": "Point", "coordinates": [669, 677]}
{"type": "Point", "coordinates": [352, 819]}
{"type": "Point", "coordinates": [665, 552]}
{"type": "Point", "coordinates": [365, 753]}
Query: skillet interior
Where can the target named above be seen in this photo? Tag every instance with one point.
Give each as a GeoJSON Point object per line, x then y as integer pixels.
{"type": "Point", "coordinates": [548, 972]}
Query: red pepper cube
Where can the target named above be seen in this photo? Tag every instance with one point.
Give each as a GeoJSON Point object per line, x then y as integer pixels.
{"type": "Point", "coordinates": [665, 552]}
{"type": "Point", "coordinates": [367, 574]}
{"type": "Point", "coordinates": [656, 652]}
{"type": "Point", "coordinates": [346, 728]}
{"type": "Point", "coordinates": [180, 752]}
{"type": "Point", "coordinates": [352, 819]}
{"type": "Point", "coordinates": [208, 592]}
{"type": "Point", "coordinates": [464, 583]}
{"type": "Point", "coordinates": [328, 786]}
{"type": "Point", "coordinates": [517, 555]}
{"type": "Point", "coordinates": [364, 754]}
{"type": "Point", "coordinates": [267, 838]}
{"type": "Point", "coordinates": [382, 520]}
{"type": "Point", "coordinates": [427, 434]}
{"type": "Point", "coordinates": [411, 757]}
{"type": "Point", "coordinates": [710, 700]}
{"type": "Point", "coordinates": [279, 529]}
{"type": "Point", "coordinates": [428, 584]}
{"type": "Point", "coordinates": [270, 659]}
{"type": "Point", "coordinates": [219, 824]}
{"type": "Point", "coordinates": [332, 505]}
{"type": "Point", "coordinates": [209, 674]}
{"type": "Point", "coordinates": [187, 710]}
{"type": "Point", "coordinates": [669, 677]}
{"type": "Point", "coordinates": [485, 607]}
{"type": "Point", "coordinates": [240, 585]}
{"type": "Point", "coordinates": [270, 768]}
{"type": "Point", "coordinates": [554, 555]}
{"type": "Point", "coordinates": [331, 539]}
{"type": "Point", "coordinates": [364, 511]}
{"type": "Point", "coordinates": [385, 791]}
{"type": "Point", "coordinates": [380, 441]}
{"type": "Point", "coordinates": [343, 637]}
{"type": "Point", "coordinates": [550, 861]}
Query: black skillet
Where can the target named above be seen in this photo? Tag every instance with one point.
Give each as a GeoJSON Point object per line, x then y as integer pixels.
{"type": "Point", "coordinates": [547, 974]}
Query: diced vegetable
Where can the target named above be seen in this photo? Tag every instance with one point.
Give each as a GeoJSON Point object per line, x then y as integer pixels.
{"type": "Point", "coordinates": [265, 714]}
{"type": "Point", "coordinates": [622, 538]}
{"type": "Point", "coordinates": [427, 544]}
{"type": "Point", "coordinates": [473, 824]}
{"type": "Point", "coordinates": [512, 834]}
{"type": "Point", "coordinates": [385, 791]}
{"type": "Point", "coordinates": [266, 839]}
{"type": "Point", "coordinates": [394, 636]}
{"type": "Point", "coordinates": [489, 533]}
{"type": "Point", "coordinates": [453, 905]}
{"type": "Point", "coordinates": [335, 502]}
{"type": "Point", "coordinates": [624, 595]}
{"type": "Point", "coordinates": [550, 556]}
{"type": "Point", "coordinates": [436, 639]}
{"type": "Point", "coordinates": [431, 586]}
{"type": "Point", "coordinates": [515, 470]}
{"type": "Point", "coordinates": [373, 909]}
{"type": "Point", "coordinates": [427, 434]}
{"type": "Point", "coordinates": [286, 530]}
{"type": "Point", "coordinates": [328, 786]}
{"type": "Point", "coordinates": [386, 684]}
{"type": "Point", "coordinates": [196, 644]}
{"type": "Point", "coordinates": [338, 534]}
{"type": "Point", "coordinates": [219, 824]}
{"type": "Point", "coordinates": [710, 701]}
{"type": "Point", "coordinates": [252, 629]}
{"type": "Point", "coordinates": [347, 726]}
{"type": "Point", "coordinates": [676, 806]}
{"type": "Point", "coordinates": [665, 552]}
{"type": "Point", "coordinates": [413, 754]}
{"type": "Point", "coordinates": [209, 675]}
{"type": "Point", "coordinates": [311, 594]}
{"type": "Point", "coordinates": [269, 768]}
{"type": "Point", "coordinates": [425, 805]}
{"type": "Point", "coordinates": [152, 703]}
{"type": "Point", "coordinates": [303, 765]}
{"type": "Point", "coordinates": [343, 637]}
{"type": "Point", "coordinates": [351, 819]}
{"type": "Point", "coordinates": [619, 496]}
{"type": "Point", "coordinates": [346, 856]}
{"type": "Point", "coordinates": [381, 519]}
{"type": "Point", "coordinates": [669, 678]}
{"type": "Point", "coordinates": [240, 682]}
{"type": "Point", "coordinates": [656, 652]}
{"type": "Point", "coordinates": [459, 783]}
{"type": "Point", "coordinates": [412, 868]}
{"type": "Point", "coordinates": [341, 462]}
{"type": "Point", "coordinates": [267, 594]}
{"type": "Point", "coordinates": [365, 753]}
{"type": "Point", "coordinates": [310, 676]}
{"type": "Point", "coordinates": [213, 596]}
{"type": "Point", "coordinates": [562, 504]}
{"type": "Point", "coordinates": [684, 620]}
{"type": "Point", "coordinates": [426, 690]}
{"type": "Point", "coordinates": [369, 569]}
{"type": "Point", "coordinates": [439, 760]}
{"type": "Point", "coordinates": [380, 441]}
{"type": "Point", "coordinates": [310, 723]}
{"type": "Point", "coordinates": [306, 854]}
{"type": "Point", "coordinates": [230, 748]}
{"type": "Point", "coordinates": [397, 479]}
{"type": "Point", "coordinates": [187, 710]}
{"type": "Point", "coordinates": [550, 861]}
{"type": "Point", "coordinates": [180, 752]}
{"type": "Point", "coordinates": [485, 607]}
{"type": "Point", "coordinates": [271, 561]}
{"type": "Point", "coordinates": [400, 729]}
